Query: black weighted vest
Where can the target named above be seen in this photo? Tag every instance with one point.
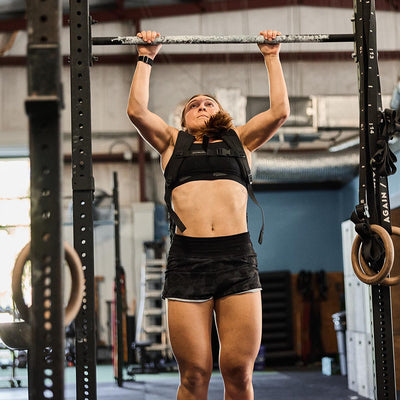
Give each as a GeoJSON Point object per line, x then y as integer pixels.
{"type": "Point", "coordinates": [183, 150]}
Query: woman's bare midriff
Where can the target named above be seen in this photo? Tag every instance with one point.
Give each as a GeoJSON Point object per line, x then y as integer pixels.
{"type": "Point", "coordinates": [211, 208]}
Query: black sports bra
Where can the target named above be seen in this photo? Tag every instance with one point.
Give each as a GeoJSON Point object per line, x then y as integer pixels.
{"type": "Point", "coordinates": [209, 163]}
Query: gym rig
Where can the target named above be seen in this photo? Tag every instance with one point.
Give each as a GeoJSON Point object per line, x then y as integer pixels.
{"type": "Point", "coordinates": [42, 332]}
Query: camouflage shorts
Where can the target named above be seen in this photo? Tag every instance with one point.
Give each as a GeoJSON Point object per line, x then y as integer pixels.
{"type": "Point", "coordinates": [205, 268]}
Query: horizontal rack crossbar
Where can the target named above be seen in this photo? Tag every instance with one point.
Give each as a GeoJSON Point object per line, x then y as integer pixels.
{"type": "Point", "coordinates": [239, 39]}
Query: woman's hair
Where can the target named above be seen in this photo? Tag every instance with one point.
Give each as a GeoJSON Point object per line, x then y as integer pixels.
{"type": "Point", "coordinates": [219, 122]}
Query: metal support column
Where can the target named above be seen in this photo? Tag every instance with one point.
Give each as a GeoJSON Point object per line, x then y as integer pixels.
{"type": "Point", "coordinates": [374, 197]}
{"type": "Point", "coordinates": [384, 370]}
{"type": "Point", "coordinates": [83, 190]}
{"type": "Point", "coordinates": [119, 279]}
{"type": "Point", "coordinates": [46, 355]}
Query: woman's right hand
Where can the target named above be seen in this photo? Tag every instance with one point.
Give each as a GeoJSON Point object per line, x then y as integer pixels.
{"type": "Point", "coordinates": [145, 50]}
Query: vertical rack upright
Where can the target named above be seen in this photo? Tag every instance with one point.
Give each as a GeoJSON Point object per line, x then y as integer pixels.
{"type": "Point", "coordinates": [83, 191]}
{"type": "Point", "coordinates": [374, 190]}
{"type": "Point", "coordinates": [43, 106]}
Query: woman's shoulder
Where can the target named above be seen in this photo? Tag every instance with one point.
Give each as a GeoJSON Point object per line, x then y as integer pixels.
{"type": "Point", "coordinates": [238, 130]}
{"type": "Point", "coordinates": [167, 153]}
{"type": "Point", "coordinates": [173, 134]}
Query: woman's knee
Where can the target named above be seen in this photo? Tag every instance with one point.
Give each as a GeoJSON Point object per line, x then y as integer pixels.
{"type": "Point", "coordinates": [238, 374]}
{"type": "Point", "coordinates": [195, 376]}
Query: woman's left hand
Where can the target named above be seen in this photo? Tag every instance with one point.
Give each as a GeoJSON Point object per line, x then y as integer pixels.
{"type": "Point", "coordinates": [269, 49]}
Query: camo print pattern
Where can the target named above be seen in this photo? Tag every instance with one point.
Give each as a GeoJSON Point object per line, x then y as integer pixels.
{"type": "Point", "coordinates": [209, 268]}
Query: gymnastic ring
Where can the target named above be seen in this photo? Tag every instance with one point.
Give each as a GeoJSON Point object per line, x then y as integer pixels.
{"type": "Point", "coordinates": [356, 257]}
{"type": "Point", "coordinates": [388, 281]}
{"type": "Point", "coordinates": [77, 283]}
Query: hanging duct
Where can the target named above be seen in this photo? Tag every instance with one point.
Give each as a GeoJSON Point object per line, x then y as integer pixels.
{"type": "Point", "coordinates": [338, 167]}
{"type": "Point", "coordinates": [306, 167]}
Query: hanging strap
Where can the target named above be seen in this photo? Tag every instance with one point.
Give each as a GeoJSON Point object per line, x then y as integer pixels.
{"type": "Point", "coordinates": [376, 158]}
{"type": "Point", "coordinates": [233, 141]}
{"type": "Point", "coordinates": [182, 145]}
{"type": "Point", "coordinates": [365, 211]}
{"type": "Point", "coordinates": [383, 160]}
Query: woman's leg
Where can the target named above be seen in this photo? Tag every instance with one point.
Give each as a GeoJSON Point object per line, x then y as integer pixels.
{"type": "Point", "coordinates": [189, 327]}
{"type": "Point", "coordinates": [239, 323]}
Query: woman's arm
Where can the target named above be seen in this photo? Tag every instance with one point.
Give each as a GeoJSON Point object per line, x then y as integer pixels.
{"type": "Point", "coordinates": [153, 128]}
{"type": "Point", "coordinates": [263, 126]}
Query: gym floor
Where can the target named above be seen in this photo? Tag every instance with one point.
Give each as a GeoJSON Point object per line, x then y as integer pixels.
{"type": "Point", "coordinates": [280, 384]}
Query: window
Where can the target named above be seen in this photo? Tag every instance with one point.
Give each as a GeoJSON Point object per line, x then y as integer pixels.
{"type": "Point", "coordinates": [14, 224]}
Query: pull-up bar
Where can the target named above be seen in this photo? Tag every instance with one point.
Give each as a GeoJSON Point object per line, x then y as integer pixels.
{"type": "Point", "coordinates": [242, 39]}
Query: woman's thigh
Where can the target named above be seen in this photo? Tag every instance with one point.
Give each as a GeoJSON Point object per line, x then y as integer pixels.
{"type": "Point", "coordinates": [239, 323]}
{"type": "Point", "coordinates": [189, 326]}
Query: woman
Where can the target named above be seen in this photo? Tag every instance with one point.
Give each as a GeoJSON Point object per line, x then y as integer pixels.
{"type": "Point", "coordinates": [212, 266]}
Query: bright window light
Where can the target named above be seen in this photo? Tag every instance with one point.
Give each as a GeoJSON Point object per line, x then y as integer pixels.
{"type": "Point", "coordinates": [14, 221]}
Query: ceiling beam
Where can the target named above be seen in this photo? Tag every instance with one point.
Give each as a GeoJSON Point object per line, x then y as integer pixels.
{"type": "Point", "coordinates": [119, 13]}
{"type": "Point", "coordinates": [13, 24]}
{"type": "Point", "coordinates": [206, 58]}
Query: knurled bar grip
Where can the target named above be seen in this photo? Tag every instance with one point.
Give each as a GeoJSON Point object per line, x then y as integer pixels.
{"type": "Point", "coordinates": [363, 271]}
{"type": "Point", "coordinates": [77, 286]}
{"type": "Point", "coordinates": [239, 39]}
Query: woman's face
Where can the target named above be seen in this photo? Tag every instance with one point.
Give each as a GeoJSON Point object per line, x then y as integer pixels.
{"type": "Point", "coordinates": [198, 111]}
